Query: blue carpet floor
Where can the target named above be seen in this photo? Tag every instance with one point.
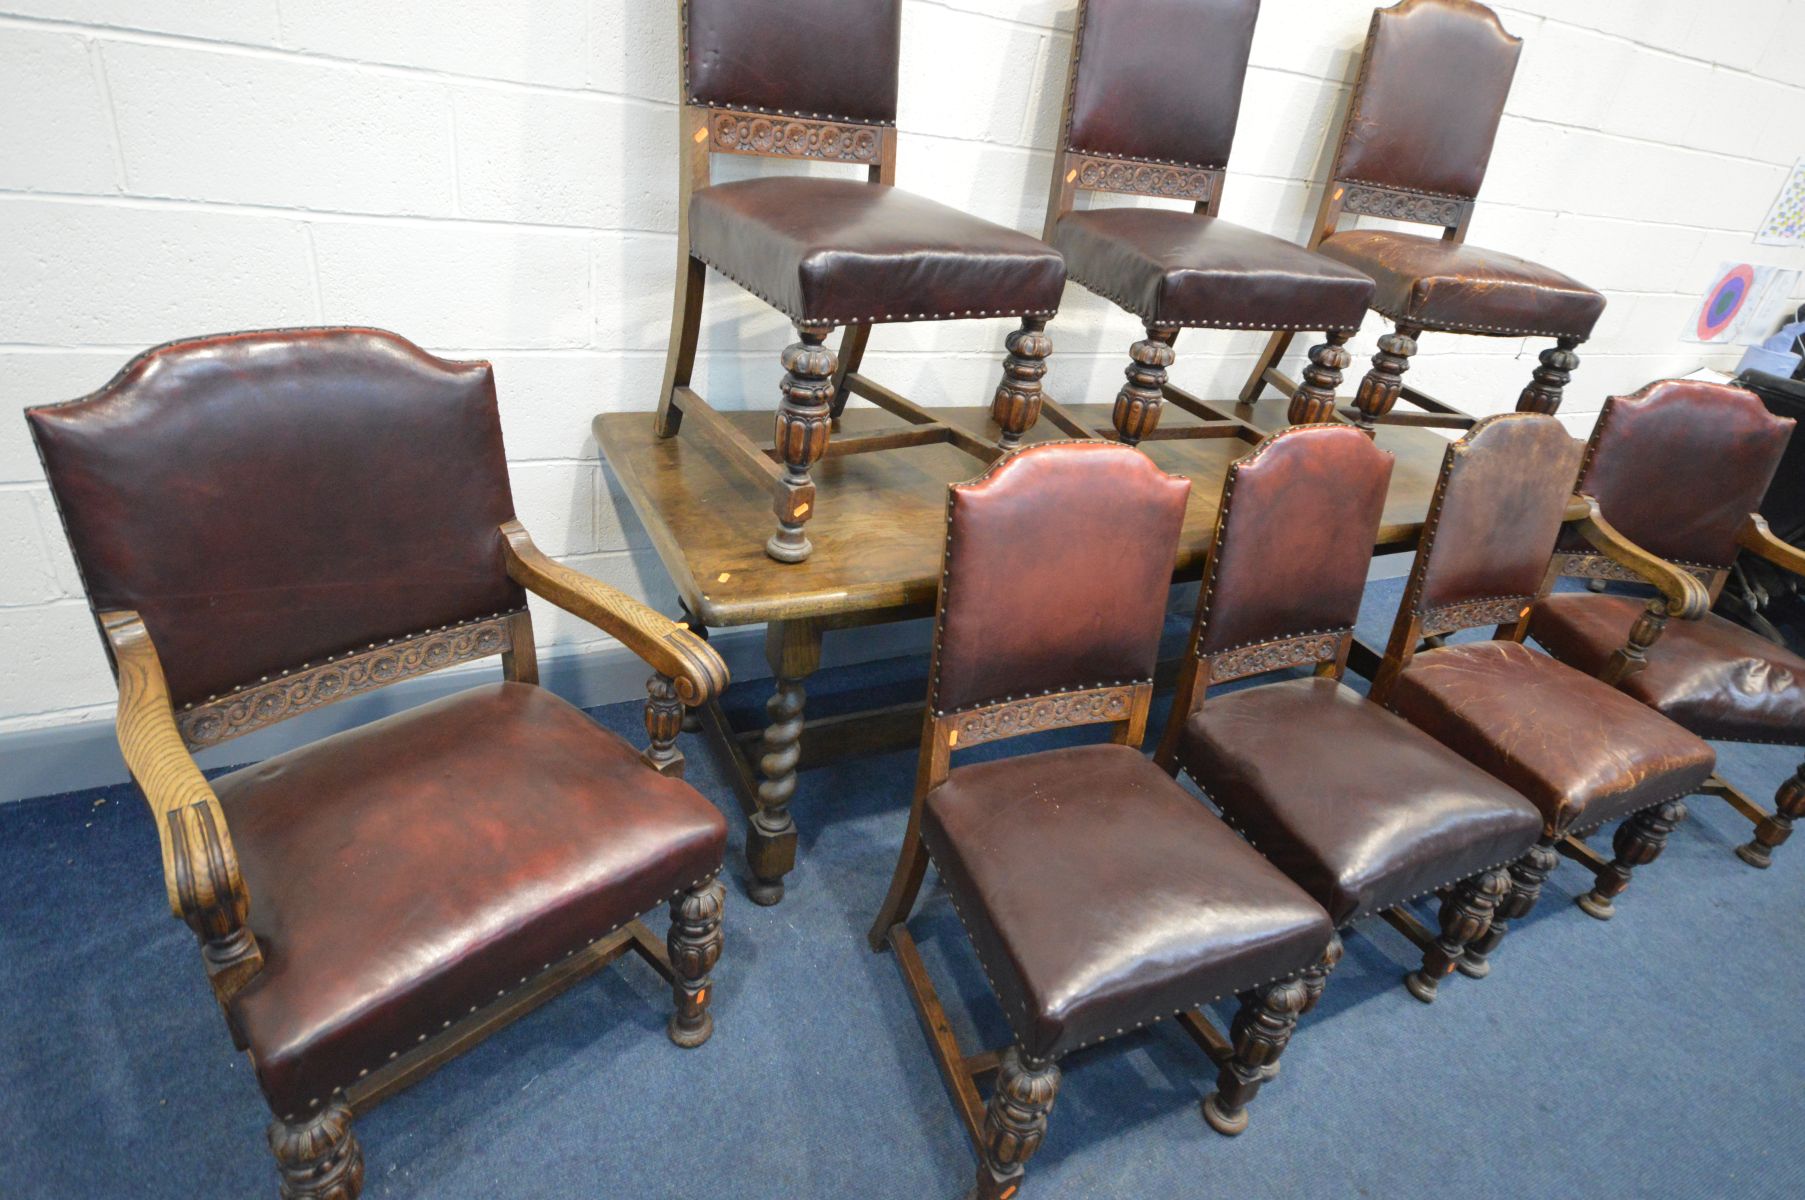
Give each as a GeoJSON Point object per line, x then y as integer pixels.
{"type": "Point", "coordinates": [1659, 1055]}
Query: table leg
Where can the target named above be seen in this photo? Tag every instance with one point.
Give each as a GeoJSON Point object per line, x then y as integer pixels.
{"type": "Point", "coordinates": [793, 648]}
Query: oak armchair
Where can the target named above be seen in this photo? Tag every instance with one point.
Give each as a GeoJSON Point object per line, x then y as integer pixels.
{"type": "Point", "coordinates": [1680, 467]}
{"type": "Point", "coordinates": [1583, 753]}
{"type": "Point", "coordinates": [1433, 79]}
{"type": "Point", "coordinates": [1049, 618]}
{"type": "Point", "coordinates": [269, 522]}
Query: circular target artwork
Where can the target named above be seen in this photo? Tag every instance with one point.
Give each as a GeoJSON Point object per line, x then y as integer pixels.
{"type": "Point", "coordinates": [1724, 302]}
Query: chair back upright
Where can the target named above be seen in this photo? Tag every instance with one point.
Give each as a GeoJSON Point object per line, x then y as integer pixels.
{"type": "Point", "coordinates": [1498, 507]}
{"type": "Point", "coordinates": [797, 79]}
{"type": "Point", "coordinates": [1053, 591]}
{"type": "Point", "coordinates": [1294, 537]}
{"type": "Point", "coordinates": [1677, 468]}
{"type": "Point", "coordinates": [1424, 113]}
{"type": "Point", "coordinates": [1153, 95]}
{"type": "Point", "coordinates": [293, 515]}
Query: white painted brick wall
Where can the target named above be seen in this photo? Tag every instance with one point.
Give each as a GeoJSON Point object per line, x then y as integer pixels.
{"type": "Point", "coordinates": [497, 179]}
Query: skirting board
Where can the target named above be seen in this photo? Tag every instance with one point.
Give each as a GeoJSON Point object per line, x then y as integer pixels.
{"type": "Point", "coordinates": [68, 758]}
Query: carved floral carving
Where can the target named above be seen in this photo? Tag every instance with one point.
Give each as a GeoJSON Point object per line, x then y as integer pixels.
{"type": "Point", "coordinates": [1044, 712]}
{"type": "Point", "coordinates": [1597, 566]}
{"type": "Point", "coordinates": [287, 695]}
{"type": "Point", "coordinates": [789, 137]}
{"type": "Point", "coordinates": [1143, 179]}
{"type": "Point", "coordinates": [1305, 651]}
{"type": "Point", "coordinates": [1403, 206]}
{"type": "Point", "coordinates": [1501, 610]}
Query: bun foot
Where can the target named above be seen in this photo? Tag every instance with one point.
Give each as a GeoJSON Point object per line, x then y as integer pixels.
{"type": "Point", "coordinates": [1421, 986]}
{"type": "Point", "coordinates": [690, 1036]}
{"type": "Point", "coordinates": [766, 894]}
{"type": "Point", "coordinates": [1221, 1122]}
{"type": "Point", "coordinates": [1756, 855]}
{"type": "Point", "coordinates": [1473, 968]}
{"type": "Point", "coordinates": [1596, 906]}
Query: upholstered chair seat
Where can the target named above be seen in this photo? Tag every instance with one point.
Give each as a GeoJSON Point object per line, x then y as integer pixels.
{"type": "Point", "coordinates": [1435, 284]}
{"type": "Point", "coordinates": [839, 252]}
{"type": "Point", "coordinates": [409, 871]}
{"type": "Point", "coordinates": [1581, 751]}
{"type": "Point", "coordinates": [1710, 675]}
{"type": "Point", "coordinates": [1102, 896]}
{"type": "Point", "coordinates": [1181, 269]}
{"type": "Point", "coordinates": [1354, 803]}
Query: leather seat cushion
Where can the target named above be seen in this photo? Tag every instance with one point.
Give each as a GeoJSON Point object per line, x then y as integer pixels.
{"type": "Point", "coordinates": [1581, 751]}
{"type": "Point", "coordinates": [1180, 268]}
{"type": "Point", "coordinates": [408, 871]}
{"type": "Point", "coordinates": [1466, 289]}
{"type": "Point", "coordinates": [1357, 805]}
{"type": "Point", "coordinates": [1711, 675]}
{"type": "Point", "coordinates": [1101, 895]}
{"type": "Point", "coordinates": [841, 252]}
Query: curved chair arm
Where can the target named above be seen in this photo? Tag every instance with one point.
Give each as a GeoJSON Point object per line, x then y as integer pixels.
{"type": "Point", "coordinates": [200, 868]}
{"type": "Point", "coordinates": [1686, 597]}
{"type": "Point", "coordinates": [1758, 539]}
{"type": "Point", "coordinates": [693, 667]}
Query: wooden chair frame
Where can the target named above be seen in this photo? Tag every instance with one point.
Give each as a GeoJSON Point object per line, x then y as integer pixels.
{"type": "Point", "coordinates": [1640, 839]}
{"type": "Point", "coordinates": [1772, 828]}
{"type": "Point", "coordinates": [1383, 385]}
{"type": "Point", "coordinates": [1139, 402]}
{"type": "Point", "coordinates": [1007, 1130]}
{"type": "Point", "coordinates": [319, 1156]}
{"type": "Point", "coordinates": [1467, 906]}
{"type": "Point", "coordinates": [817, 381]}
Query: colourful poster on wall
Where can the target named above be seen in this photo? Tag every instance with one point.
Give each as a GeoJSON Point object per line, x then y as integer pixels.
{"type": "Point", "coordinates": [1785, 224]}
{"type": "Point", "coordinates": [1743, 304]}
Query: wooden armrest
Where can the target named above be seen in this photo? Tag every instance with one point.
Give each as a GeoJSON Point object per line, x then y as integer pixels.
{"type": "Point", "coordinates": [1686, 596]}
{"type": "Point", "coordinates": [667, 647]}
{"type": "Point", "coordinates": [1758, 539]}
{"type": "Point", "coordinates": [200, 868]}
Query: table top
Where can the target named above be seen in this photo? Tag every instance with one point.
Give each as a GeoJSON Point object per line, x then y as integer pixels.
{"type": "Point", "coordinates": [880, 518]}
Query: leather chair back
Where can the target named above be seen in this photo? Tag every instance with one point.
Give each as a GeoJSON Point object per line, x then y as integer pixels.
{"type": "Point", "coordinates": [1160, 80]}
{"type": "Point", "coordinates": [1057, 568]}
{"type": "Point", "coordinates": [1679, 466]}
{"type": "Point", "coordinates": [798, 58]}
{"type": "Point", "coordinates": [1427, 102]}
{"type": "Point", "coordinates": [266, 500]}
{"type": "Point", "coordinates": [1294, 539]}
{"type": "Point", "coordinates": [1492, 525]}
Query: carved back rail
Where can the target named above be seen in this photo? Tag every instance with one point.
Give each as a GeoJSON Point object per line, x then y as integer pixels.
{"type": "Point", "coordinates": [315, 685]}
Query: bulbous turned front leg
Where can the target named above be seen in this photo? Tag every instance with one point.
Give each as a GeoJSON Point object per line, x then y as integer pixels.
{"type": "Point", "coordinates": [1015, 1122]}
{"type": "Point", "coordinates": [1527, 875]}
{"type": "Point", "coordinates": [694, 945]}
{"type": "Point", "coordinates": [804, 419]}
{"type": "Point", "coordinates": [1314, 400]}
{"type": "Point", "coordinates": [1017, 403]}
{"type": "Point", "coordinates": [1637, 842]}
{"type": "Point", "coordinates": [1381, 386]}
{"type": "Point", "coordinates": [1465, 916]}
{"type": "Point", "coordinates": [1139, 402]}
{"type": "Point", "coordinates": [1558, 362]}
{"type": "Point", "coordinates": [319, 1158]}
{"type": "Point", "coordinates": [1316, 977]}
{"type": "Point", "coordinates": [664, 721]}
{"type": "Point", "coordinates": [1260, 1032]}
{"type": "Point", "coordinates": [1789, 806]}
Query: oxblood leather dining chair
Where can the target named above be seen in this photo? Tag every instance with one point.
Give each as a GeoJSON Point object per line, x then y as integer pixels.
{"type": "Point", "coordinates": [269, 522]}
{"type": "Point", "coordinates": [1153, 96]}
{"type": "Point", "coordinates": [1099, 895]}
{"type": "Point", "coordinates": [1678, 469]}
{"type": "Point", "coordinates": [1582, 752]}
{"type": "Point", "coordinates": [1360, 807]}
{"type": "Point", "coordinates": [817, 80]}
{"type": "Point", "coordinates": [1426, 105]}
